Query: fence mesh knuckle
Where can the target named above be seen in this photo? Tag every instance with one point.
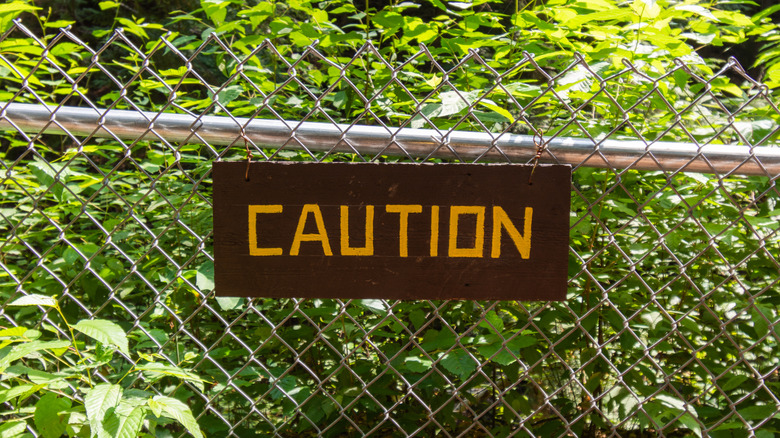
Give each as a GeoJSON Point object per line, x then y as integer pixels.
{"type": "Point", "coordinates": [671, 322]}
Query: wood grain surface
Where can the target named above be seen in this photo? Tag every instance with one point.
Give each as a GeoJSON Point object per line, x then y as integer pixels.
{"type": "Point", "coordinates": [393, 231]}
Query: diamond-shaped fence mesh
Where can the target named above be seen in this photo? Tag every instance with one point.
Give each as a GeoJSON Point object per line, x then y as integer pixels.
{"type": "Point", "coordinates": [671, 324]}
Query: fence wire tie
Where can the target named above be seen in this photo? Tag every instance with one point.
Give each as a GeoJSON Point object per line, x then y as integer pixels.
{"type": "Point", "coordinates": [540, 147]}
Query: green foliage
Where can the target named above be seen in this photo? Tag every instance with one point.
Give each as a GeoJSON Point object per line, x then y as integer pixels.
{"type": "Point", "coordinates": [53, 381]}
{"type": "Point", "coordinates": [672, 311]}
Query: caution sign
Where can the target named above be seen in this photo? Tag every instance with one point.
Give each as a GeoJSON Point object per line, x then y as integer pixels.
{"type": "Point", "coordinates": [393, 231]}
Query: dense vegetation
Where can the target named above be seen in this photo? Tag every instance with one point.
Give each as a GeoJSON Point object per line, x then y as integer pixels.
{"type": "Point", "coordinates": [671, 323]}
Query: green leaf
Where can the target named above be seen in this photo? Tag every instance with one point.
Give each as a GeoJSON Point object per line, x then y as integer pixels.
{"type": "Point", "coordinates": [452, 102]}
{"type": "Point", "coordinates": [609, 14]}
{"type": "Point", "coordinates": [375, 306]}
{"type": "Point", "coordinates": [105, 332]}
{"type": "Point", "coordinates": [180, 412]}
{"type": "Point", "coordinates": [691, 423]}
{"type": "Point", "coordinates": [159, 370]}
{"type": "Point", "coordinates": [13, 332]}
{"type": "Point", "coordinates": [17, 391]}
{"type": "Point", "coordinates": [734, 382]}
{"type": "Point", "coordinates": [760, 316]}
{"type": "Point", "coordinates": [15, 7]}
{"type": "Point", "coordinates": [21, 350]}
{"type": "Point", "coordinates": [758, 412]}
{"type": "Point", "coordinates": [509, 354]}
{"type": "Point", "coordinates": [12, 429]}
{"type": "Point", "coordinates": [230, 303]}
{"type": "Point", "coordinates": [205, 276]}
{"type": "Point", "coordinates": [108, 5]}
{"type": "Point", "coordinates": [47, 418]}
{"type": "Point", "coordinates": [671, 402]}
{"type": "Point", "coordinates": [459, 362]}
{"type": "Point", "coordinates": [417, 364]}
{"type": "Point", "coordinates": [216, 10]}
{"type": "Point", "coordinates": [155, 407]}
{"type": "Point", "coordinates": [125, 421]}
{"type": "Point", "coordinates": [49, 380]}
{"type": "Point", "coordinates": [698, 10]}
{"type": "Point", "coordinates": [497, 109]}
{"type": "Point", "coordinates": [494, 320]}
{"type": "Point", "coordinates": [34, 300]}
{"type": "Point", "coordinates": [437, 340]}
{"type": "Point", "coordinates": [765, 13]}
{"type": "Point", "coordinates": [646, 9]}
{"type": "Point", "coordinates": [59, 23]}
{"type": "Point", "coordinates": [98, 401]}
{"type": "Point", "coordinates": [229, 94]}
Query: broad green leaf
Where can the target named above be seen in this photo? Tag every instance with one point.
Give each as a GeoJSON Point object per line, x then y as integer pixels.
{"type": "Point", "coordinates": [231, 303]}
{"type": "Point", "coordinates": [13, 429]}
{"type": "Point", "coordinates": [229, 94]}
{"type": "Point", "coordinates": [124, 421]}
{"type": "Point", "coordinates": [611, 14]}
{"type": "Point", "coordinates": [671, 402]}
{"type": "Point", "coordinates": [691, 423]}
{"type": "Point", "coordinates": [757, 412]}
{"type": "Point", "coordinates": [498, 110]}
{"type": "Point", "coordinates": [698, 10]}
{"type": "Point", "coordinates": [760, 316]}
{"type": "Point", "coordinates": [49, 380]}
{"type": "Point", "coordinates": [59, 23]}
{"type": "Point", "coordinates": [105, 332]}
{"type": "Point", "coordinates": [730, 426]}
{"type": "Point", "coordinates": [734, 382]}
{"type": "Point", "coordinates": [15, 7]}
{"type": "Point", "coordinates": [47, 418]}
{"type": "Point", "coordinates": [205, 276]}
{"type": "Point", "coordinates": [108, 5]}
{"type": "Point", "coordinates": [375, 306]}
{"type": "Point", "coordinates": [493, 322]}
{"type": "Point", "coordinates": [16, 391]}
{"type": "Point", "coordinates": [765, 13]}
{"type": "Point", "coordinates": [459, 362]}
{"type": "Point", "coordinates": [98, 401]}
{"type": "Point", "coordinates": [646, 9]}
{"type": "Point", "coordinates": [180, 412]}
{"type": "Point", "coordinates": [21, 350]}
{"type": "Point", "coordinates": [161, 370]}
{"type": "Point", "coordinates": [434, 81]}
{"type": "Point", "coordinates": [510, 354]}
{"type": "Point", "coordinates": [452, 102]}
{"type": "Point", "coordinates": [216, 10]}
{"type": "Point", "coordinates": [417, 364]}
{"type": "Point", "coordinates": [13, 332]}
{"type": "Point", "coordinates": [155, 407]}
{"type": "Point", "coordinates": [437, 340]}
{"type": "Point", "coordinates": [34, 300]}
{"type": "Point", "coordinates": [732, 17]}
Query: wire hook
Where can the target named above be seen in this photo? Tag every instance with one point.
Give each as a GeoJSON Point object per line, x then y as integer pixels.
{"type": "Point", "coordinates": [540, 147]}
{"type": "Point", "coordinates": [248, 153]}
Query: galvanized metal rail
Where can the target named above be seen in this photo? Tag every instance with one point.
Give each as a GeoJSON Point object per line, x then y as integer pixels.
{"type": "Point", "coordinates": [419, 143]}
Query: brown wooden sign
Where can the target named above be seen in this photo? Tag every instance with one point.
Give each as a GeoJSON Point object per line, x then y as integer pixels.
{"type": "Point", "coordinates": [394, 231]}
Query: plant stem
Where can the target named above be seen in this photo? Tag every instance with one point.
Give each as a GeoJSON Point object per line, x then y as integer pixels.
{"type": "Point", "coordinates": [73, 341]}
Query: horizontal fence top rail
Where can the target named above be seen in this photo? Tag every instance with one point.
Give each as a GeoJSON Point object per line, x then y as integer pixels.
{"type": "Point", "coordinates": [133, 126]}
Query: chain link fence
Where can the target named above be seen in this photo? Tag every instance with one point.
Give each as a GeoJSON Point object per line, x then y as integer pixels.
{"type": "Point", "coordinates": [671, 323]}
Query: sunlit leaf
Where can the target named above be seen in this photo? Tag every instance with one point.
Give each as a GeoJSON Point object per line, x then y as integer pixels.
{"type": "Point", "coordinates": [177, 410]}
{"type": "Point", "coordinates": [105, 332]}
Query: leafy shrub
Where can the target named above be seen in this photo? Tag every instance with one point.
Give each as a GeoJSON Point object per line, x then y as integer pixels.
{"type": "Point", "coordinates": [51, 383]}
